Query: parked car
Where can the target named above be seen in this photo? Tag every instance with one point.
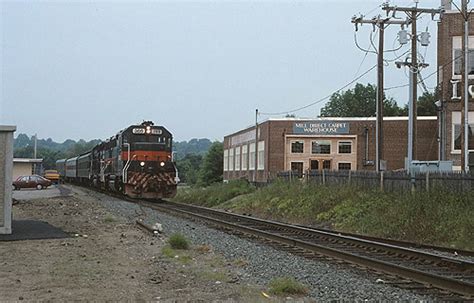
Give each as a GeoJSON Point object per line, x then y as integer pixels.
{"type": "Point", "coordinates": [51, 175]}
{"type": "Point", "coordinates": [33, 181]}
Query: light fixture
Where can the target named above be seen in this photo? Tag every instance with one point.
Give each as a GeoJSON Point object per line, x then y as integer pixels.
{"type": "Point", "coordinates": [162, 163]}
{"type": "Point", "coordinates": [142, 163]}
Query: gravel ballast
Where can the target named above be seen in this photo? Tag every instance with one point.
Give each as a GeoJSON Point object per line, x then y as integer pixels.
{"type": "Point", "coordinates": [326, 280]}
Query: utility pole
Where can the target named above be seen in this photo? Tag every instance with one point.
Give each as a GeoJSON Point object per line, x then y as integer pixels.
{"type": "Point", "coordinates": [413, 13]}
{"type": "Point", "coordinates": [381, 24]}
{"type": "Point", "coordinates": [256, 147]}
{"type": "Point", "coordinates": [34, 153]}
{"type": "Point", "coordinates": [465, 76]}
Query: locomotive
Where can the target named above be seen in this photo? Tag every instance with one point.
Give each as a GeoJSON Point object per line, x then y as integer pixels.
{"type": "Point", "coordinates": [136, 162]}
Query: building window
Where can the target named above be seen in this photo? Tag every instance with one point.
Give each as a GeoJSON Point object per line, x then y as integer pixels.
{"type": "Point", "coordinates": [344, 166]}
{"type": "Point", "coordinates": [297, 168]}
{"type": "Point", "coordinates": [231, 159]}
{"type": "Point", "coordinates": [321, 147]}
{"type": "Point", "coordinates": [297, 147]}
{"type": "Point", "coordinates": [245, 157]}
{"type": "Point", "coordinates": [457, 54]}
{"type": "Point", "coordinates": [237, 158]}
{"type": "Point", "coordinates": [252, 156]}
{"type": "Point", "coordinates": [345, 147]}
{"type": "Point", "coordinates": [226, 159]}
{"type": "Point", "coordinates": [327, 164]}
{"type": "Point", "coordinates": [456, 132]}
{"type": "Point", "coordinates": [261, 155]}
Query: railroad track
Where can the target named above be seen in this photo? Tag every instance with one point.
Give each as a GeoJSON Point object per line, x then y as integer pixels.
{"type": "Point", "coordinates": [404, 267]}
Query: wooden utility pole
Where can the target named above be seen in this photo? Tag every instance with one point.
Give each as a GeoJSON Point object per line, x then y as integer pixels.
{"type": "Point", "coordinates": [413, 13]}
{"type": "Point", "coordinates": [381, 24]}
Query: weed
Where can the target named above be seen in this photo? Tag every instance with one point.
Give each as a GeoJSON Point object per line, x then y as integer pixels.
{"type": "Point", "coordinates": [178, 241]}
{"type": "Point", "coordinates": [168, 252]}
{"type": "Point", "coordinates": [287, 286]}
{"type": "Point", "coordinates": [109, 219]}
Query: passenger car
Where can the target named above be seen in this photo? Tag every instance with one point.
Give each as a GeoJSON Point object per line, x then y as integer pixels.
{"type": "Point", "coordinates": [51, 175]}
{"type": "Point", "coordinates": [33, 181]}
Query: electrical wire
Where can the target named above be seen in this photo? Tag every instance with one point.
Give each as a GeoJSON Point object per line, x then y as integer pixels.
{"type": "Point", "coordinates": [359, 47]}
{"type": "Point", "coordinates": [322, 99]}
{"type": "Point", "coordinates": [424, 78]}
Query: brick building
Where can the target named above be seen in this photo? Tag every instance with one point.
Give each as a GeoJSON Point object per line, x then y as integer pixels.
{"type": "Point", "coordinates": [322, 143]}
{"type": "Point", "coordinates": [450, 31]}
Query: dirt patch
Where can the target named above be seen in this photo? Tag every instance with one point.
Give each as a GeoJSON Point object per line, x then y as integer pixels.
{"type": "Point", "coordinates": [108, 257]}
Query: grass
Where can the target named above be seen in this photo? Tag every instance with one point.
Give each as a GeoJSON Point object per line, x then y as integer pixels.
{"type": "Point", "coordinates": [109, 219]}
{"type": "Point", "coordinates": [178, 241]}
{"type": "Point", "coordinates": [214, 194]}
{"type": "Point", "coordinates": [439, 217]}
{"type": "Point", "coordinates": [287, 286]}
{"type": "Point", "coordinates": [168, 252]}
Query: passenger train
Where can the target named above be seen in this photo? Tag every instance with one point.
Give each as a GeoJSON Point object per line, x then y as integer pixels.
{"type": "Point", "coordinates": [137, 162]}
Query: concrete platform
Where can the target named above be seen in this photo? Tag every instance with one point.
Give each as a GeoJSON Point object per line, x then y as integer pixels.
{"type": "Point", "coordinates": [33, 230]}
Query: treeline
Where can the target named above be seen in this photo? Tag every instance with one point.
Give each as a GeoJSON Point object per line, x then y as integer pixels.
{"type": "Point", "coordinates": [202, 169]}
{"type": "Point", "coordinates": [48, 150]}
{"type": "Point", "coordinates": [360, 102]}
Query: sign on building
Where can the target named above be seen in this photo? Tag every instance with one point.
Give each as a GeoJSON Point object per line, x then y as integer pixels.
{"type": "Point", "coordinates": [321, 128]}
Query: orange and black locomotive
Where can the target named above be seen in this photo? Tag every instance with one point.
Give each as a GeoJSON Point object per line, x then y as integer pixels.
{"type": "Point", "coordinates": [137, 162]}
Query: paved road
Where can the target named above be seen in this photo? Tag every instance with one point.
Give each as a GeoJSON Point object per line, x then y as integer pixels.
{"type": "Point", "coordinates": [28, 194]}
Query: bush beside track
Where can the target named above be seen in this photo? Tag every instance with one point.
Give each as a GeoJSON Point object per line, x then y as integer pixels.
{"type": "Point", "coordinates": [437, 218]}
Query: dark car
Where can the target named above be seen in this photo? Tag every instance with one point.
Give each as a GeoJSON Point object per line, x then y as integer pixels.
{"type": "Point", "coordinates": [34, 181]}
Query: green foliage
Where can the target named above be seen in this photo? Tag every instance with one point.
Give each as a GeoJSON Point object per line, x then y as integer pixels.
{"type": "Point", "coordinates": [178, 241]}
{"type": "Point", "coordinates": [358, 102]}
{"type": "Point", "coordinates": [214, 194]}
{"type": "Point", "coordinates": [287, 286]}
{"type": "Point", "coordinates": [189, 167]}
{"type": "Point", "coordinates": [439, 217]}
{"type": "Point", "coordinates": [191, 147]}
{"type": "Point", "coordinates": [168, 252]}
{"type": "Point", "coordinates": [212, 166]}
{"type": "Point", "coordinates": [48, 150]}
{"type": "Point", "coordinates": [425, 106]}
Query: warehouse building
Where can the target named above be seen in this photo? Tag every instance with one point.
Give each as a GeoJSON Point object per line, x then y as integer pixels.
{"type": "Point", "coordinates": [322, 143]}
{"type": "Point", "coordinates": [450, 86]}
{"type": "Point", "coordinates": [6, 166]}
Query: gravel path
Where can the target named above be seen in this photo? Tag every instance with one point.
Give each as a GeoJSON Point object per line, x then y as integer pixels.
{"type": "Point", "coordinates": [326, 280]}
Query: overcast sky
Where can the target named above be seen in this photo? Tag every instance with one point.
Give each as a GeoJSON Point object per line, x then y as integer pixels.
{"type": "Point", "coordinates": [86, 70]}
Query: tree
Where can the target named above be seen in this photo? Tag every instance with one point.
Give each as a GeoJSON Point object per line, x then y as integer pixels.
{"type": "Point", "coordinates": [358, 102]}
{"type": "Point", "coordinates": [212, 166]}
{"type": "Point", "coordinates": [189, 167]}
{"type": "Point", "coordinates": [425, 106]}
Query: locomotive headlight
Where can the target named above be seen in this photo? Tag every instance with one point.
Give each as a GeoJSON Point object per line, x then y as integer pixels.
{"type": "Point", "coordinates": [148, 129]}
{"type": "Point", "coordinates": [142, 163]}
{"type": "Point", "coordinates": [162, 163]}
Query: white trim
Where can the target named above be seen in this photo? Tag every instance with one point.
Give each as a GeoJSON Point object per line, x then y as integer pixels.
{"type": "Point", "coordinates": [320, 136]}
{"type": "Point", "coordinates": [352, 149]}
{"type": "Point", "coordinates": [344, 162]}
{"type": "Point", "coordinates": [311, 147]}
{"type": "Point", "coordinates": [237, 163]}
{"type": "Point", "coordinates": [291, 146]}
{"type": "Point", "coordinates": [26, 160]}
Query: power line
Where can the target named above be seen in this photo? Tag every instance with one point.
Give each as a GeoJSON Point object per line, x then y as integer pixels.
{"type": "Point", "coordinates": [322, 99]}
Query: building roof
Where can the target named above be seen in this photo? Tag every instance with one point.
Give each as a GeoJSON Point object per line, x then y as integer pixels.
{"type": "Point", "coordinates": [26, 160]}
{"type": "Point", "coordinates": [7, 128]}
{"type": "Point", "coordinates": [349, 119]}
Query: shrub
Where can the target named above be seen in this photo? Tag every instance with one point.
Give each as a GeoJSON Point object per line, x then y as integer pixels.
{"type": "Point", "coordinates": [287, 286]}
{"type": "Point", "coordinates": [178, 241]}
